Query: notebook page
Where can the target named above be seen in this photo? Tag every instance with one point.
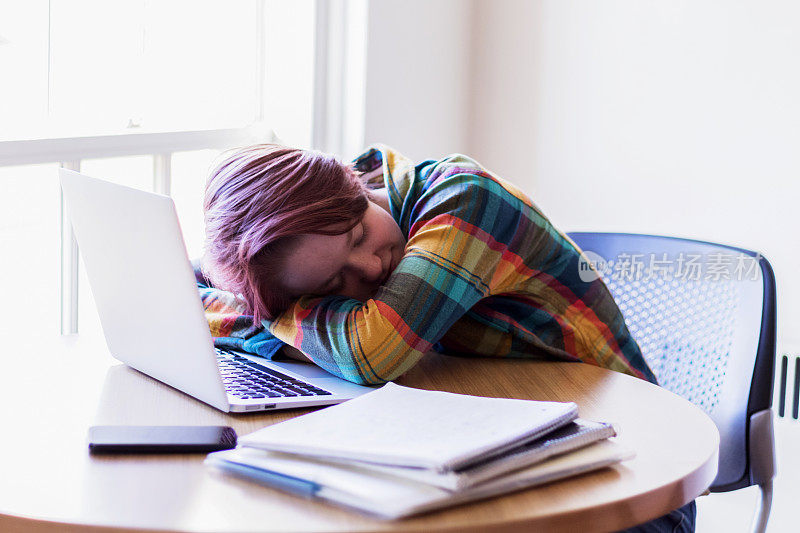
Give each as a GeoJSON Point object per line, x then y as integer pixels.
{"type": "Point", "coordinates": [402, 426]}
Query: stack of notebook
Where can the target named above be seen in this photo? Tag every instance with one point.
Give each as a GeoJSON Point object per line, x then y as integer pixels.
{"type": "Point", "coordinates": [399, 451]}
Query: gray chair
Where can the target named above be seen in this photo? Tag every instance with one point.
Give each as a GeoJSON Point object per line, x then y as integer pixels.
{"type": "Point", "coordinates": [704, 317]}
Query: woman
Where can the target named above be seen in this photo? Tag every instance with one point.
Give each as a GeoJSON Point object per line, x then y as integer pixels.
{"type": "Point", "coordinates": [363, 268]}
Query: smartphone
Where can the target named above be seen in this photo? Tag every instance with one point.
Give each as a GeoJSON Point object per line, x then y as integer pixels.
{"type": "Point", "coordinates": [160, 439]}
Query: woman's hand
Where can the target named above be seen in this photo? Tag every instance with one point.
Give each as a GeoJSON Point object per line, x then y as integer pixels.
{"type": "Point", "coordinates": [293, 353]}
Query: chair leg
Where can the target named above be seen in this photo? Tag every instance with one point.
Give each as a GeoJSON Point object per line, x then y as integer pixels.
{"type": "Point", "coordinates": [764, 505]}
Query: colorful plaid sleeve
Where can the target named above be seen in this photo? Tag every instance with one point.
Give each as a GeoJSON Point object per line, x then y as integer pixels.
{"type": "Point", "coordinates": [231, 326]}
{"type": "Point", "coordinates": [480, 257]}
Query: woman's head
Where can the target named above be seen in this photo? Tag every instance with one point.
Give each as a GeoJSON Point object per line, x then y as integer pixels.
{"type": "Point", "coordinates": [277, 218]}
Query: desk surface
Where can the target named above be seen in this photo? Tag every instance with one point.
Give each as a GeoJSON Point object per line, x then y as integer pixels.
{"type": "Point", "coordinates": [53, 389]}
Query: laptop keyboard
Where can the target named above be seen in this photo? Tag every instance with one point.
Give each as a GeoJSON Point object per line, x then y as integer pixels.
{"type": "Point", "coordinates": [245, 379]}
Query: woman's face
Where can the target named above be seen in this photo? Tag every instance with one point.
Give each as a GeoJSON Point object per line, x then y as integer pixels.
{"type": "Point", "coordinates": [353, 264]}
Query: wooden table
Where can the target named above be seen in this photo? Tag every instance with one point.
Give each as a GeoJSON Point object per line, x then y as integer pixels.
{"type": "Point", "coordinates": [53, 389]}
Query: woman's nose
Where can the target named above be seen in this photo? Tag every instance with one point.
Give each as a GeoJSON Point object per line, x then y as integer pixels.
{"type": "Point", "coordinates": [368, 266]}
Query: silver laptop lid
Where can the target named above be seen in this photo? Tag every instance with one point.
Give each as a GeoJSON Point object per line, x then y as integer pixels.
{"type": "Point", "coordinates": [143, 284]}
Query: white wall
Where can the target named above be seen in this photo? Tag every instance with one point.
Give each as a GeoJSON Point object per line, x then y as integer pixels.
{"type": "Point", "coordinates": [504, 72]}
{"type": "Point", "coordinates": [418, 76]}
{"type": "Point", "coordinates": [288, 94]}
{"type": "Point", "coordinates": [678, 118]}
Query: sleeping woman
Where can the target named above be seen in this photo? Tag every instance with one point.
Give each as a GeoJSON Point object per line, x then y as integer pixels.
{"type": "Point", "coordinates": [363, 268]}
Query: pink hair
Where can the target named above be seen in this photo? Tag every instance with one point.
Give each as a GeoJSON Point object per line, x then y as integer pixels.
{"type": "Point", "coordinates": [256, 200]}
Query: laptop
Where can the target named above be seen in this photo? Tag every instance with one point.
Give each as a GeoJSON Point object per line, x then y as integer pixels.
{"type": "Point", "coordinates": [151, 313]}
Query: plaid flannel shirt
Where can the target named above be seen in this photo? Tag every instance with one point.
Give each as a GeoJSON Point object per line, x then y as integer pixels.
{"type": "Point", "coordinates": [484, 273]}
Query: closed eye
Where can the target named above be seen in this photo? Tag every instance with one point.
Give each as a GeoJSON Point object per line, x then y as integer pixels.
{"type": "Point", "coordinates": [363, 237]}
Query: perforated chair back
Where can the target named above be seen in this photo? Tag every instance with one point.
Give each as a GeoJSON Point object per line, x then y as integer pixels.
{"type": "Point", "coordinates": [704, 316]}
